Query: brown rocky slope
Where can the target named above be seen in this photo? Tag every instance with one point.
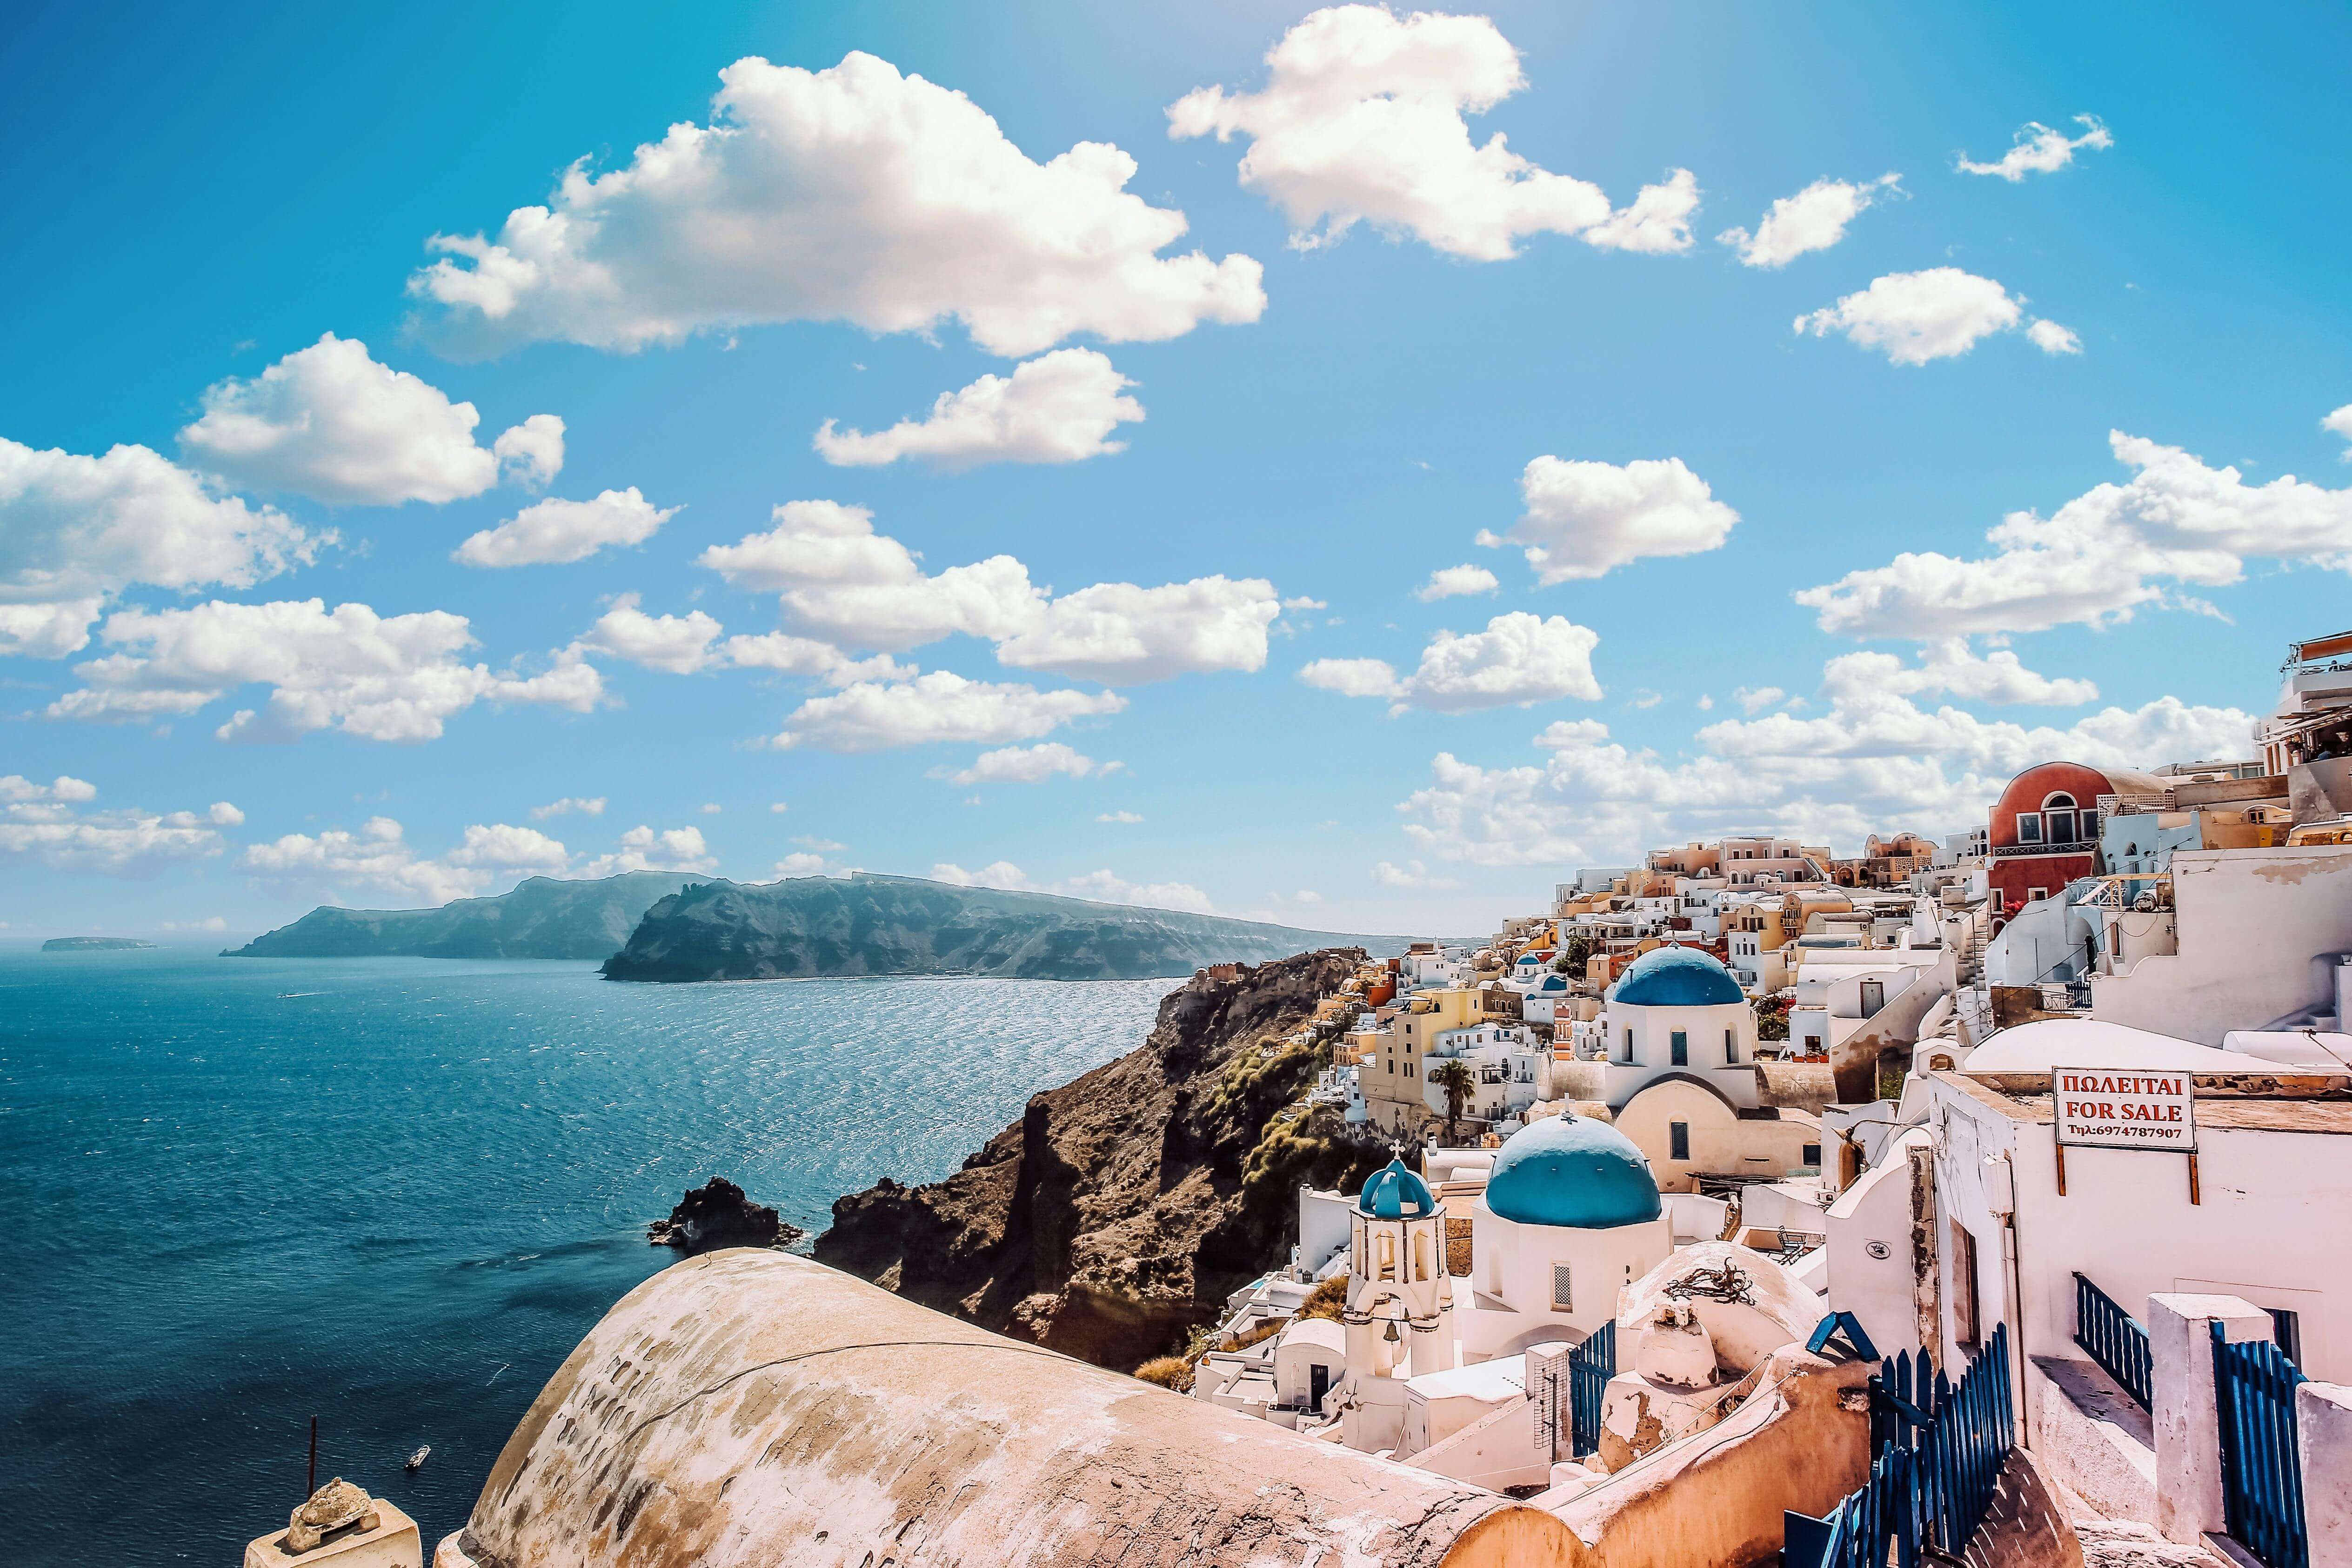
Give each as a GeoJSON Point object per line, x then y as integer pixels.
{"type": "Point", "coordinates": [1122, 1207]}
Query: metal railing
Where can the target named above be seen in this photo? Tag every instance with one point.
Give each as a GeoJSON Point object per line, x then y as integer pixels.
{"type": "Point", "coordinates": [2261, 1461]}
{"type": "Point", "coordinates": [2115, 1340]}
{"type": "Point", "coordinates": [1590, 1365]}
{"type": "Point", "coordinates": [1941, 1447]}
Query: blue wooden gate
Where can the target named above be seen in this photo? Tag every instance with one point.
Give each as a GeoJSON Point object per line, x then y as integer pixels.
{"type": "Point", "coordinates": [2261, 1463]}
{"type": "Point", "coordinates": [2115, 1340]}
{"type": "Point", "coordinates": [1941, 1446]}
{"type": "Point", "coordinates": [1590, 1365]}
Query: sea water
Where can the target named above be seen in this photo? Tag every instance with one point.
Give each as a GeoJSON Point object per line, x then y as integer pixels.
{"type": "Point", "coordinates": [395, 1192]}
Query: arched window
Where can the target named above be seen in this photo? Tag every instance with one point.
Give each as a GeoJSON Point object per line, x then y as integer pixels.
{"type": "Point", "coordinates": [1388, 1257]}
{"type": "Point", "coordinates": [2059, 819]}
{"type": "Point", "coordinates": [1421, 1255]}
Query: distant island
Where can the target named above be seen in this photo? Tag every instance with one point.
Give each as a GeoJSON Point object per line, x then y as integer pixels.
{"type": "Point", "coordinates": [545, 918]}
{"type": "Point", "coordinates": [868, 924]}
{"type": "Point", "coordinates": [93, 945]}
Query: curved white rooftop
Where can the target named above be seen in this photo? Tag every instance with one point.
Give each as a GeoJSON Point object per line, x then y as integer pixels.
{"type": "Point", "coordinates": [2085, 1042]}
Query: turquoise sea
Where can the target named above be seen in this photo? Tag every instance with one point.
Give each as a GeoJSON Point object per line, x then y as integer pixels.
{"type": "Point", "coordinates": [394, 1193]}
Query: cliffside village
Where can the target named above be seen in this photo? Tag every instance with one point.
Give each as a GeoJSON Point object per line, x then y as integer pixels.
{"type": "Point", "coordinates": [1984, 1198]}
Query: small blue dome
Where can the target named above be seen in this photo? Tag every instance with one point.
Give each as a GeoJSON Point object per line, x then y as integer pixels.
{"type": "Point", "coordinates": [1395, 1193]}
{"type": "Point", "coordinates": [1676, 978]}
{"type": "Point", "coordinates": [1572, 1170]}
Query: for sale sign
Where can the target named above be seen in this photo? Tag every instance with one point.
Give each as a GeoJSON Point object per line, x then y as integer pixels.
{"type": "Point", "coordinates": [2115, 1108]}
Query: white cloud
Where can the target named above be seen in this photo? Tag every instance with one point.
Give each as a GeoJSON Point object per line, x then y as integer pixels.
{"type": "Point", "coordinates": [42, 820]}
{"type": "Point", "coordinates": [802, 864]}
{"type": "Point", "coordinates": [679, 643]}
{"type": "Point", "coordinates": [843, 584]}
{"type": "Point", "coordinates": [2340, 422]}
{"type": "Point", "coordinates": [553, 531]}
{"type": "Point", "coordinates": [779, 806]}
{"type": "Point", "coordinates": [790, 656]}
{"type": "Point", "coordinates": [379, 856]}
{"type": "Point", "coordinates": [1658, 221]}
{"type": "Point", "coordinates": [1519, 660]}
{"type": "Point", "coordinates": [1916, 317]}
{"type": "Point", "coordinates": [1028, 765]}
{"type": "Point", "coordinates": [1361, 122]}
{"type": "Point", "coordinates": [2052, 338]}
{"type": "Point", "coordinates": [1101, 887]}
{"type": "Point", "coordinates": [2099, 557]}
{"type": "Point", "coordinates": [1455, 582]}
{"type": "Point", "coordinates": [1585, 519]}
{"type": "Point", "coordinates": [1750, 701]}
{"type": "Point", "coordinates": [1059, 408]}
{"type": "Point", "coordinates": [531, 454]}
{"type": "Point", "coordinates": [1813, 219]}
{"type": "Point", "coordinates": [710, 808]}
{"type": "Point", "coordinates": [1121, 818]}
{"type": "Point", "coordinates": [2041, 149]}
{"type": "Point", "coordinates": [76, 529]}
{"type": "Point", "coordinates": [1952, 667]}
{"type": "Point", "coordinates": [1876, 761]}
{"type": "Point", "coordinates": [643, 849]}
{"type": "Point", "coordinates": [854, 193]}
{"type": "Point", "coordinates": [1121, 634]}
{"type": "Point", "coordinates": [824, 846]}
{"type": "Point", "coordinates": [939, 706]}
{"type": "Point", "coordinates": [330, 422]}
{"type": "Point", "coordinates": [381, 677]}
{"type": "Point", "coordinates": [587, 806]}
{"type": "Point", "coordinates": [1412, 874]}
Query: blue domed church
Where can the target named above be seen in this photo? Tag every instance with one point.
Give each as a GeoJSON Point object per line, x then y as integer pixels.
{"type": "Point", "coordinates": [1571, 1213]}
{"type": "Point", "coordinates": [1676, 1012]}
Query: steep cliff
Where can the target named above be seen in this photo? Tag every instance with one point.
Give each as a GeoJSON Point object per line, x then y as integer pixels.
{"type": "Point", "coordinates": [1122, 1208]}
{"type": "Point", "coordinates": [544, 917]}
{"type": "Point", "coordinates": [866, 925]}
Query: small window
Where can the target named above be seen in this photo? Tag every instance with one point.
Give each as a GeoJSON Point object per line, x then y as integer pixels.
{"type": "Point", "coordinates": [1563, 1297]}
{"type": "Point", "coordinates": [1965, 1326]}
{"type": "Point", "coordinates": [1680, 1045]}
{"type": "Point", "coordinates": [1731, 1047]}
{"type": "Point", "coordinates": [1421, 1255]}
{"type": "Point", "coordinates": [2061, 827]}
{"type": "Point", "coordinates": [2035, 895]}
{"type": "Point", "coordinates": [1678, 1140]}
{"type": "Point", "coordinates": [2286, 1327]}
{"type": "Point", "coordinates": [1388, 1257]}
{"type": "Point", "coordinates": [2029, 827]}
{"type": "Point", "coordinates": [1628, 1044]}
{"type": "Point", "coordinates": [1812, 1155]}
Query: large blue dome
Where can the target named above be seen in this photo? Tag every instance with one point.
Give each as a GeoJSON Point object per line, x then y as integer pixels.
{"type": "Point", "coordinates": [1676, 978]}
{"type": "Point", "coordinates": [1393, 1192]}
{"type": "Point", "coordinates": [1572, 1170]}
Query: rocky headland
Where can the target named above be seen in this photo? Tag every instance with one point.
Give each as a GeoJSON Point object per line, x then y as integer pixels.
{"type": "Point", "coordinates": [868, 925]}
{"type": "Point", "coordinates": [1119, 1211]}
{"type": "Point", "coordinates": [544, 917]}
{"type": "Point", "coordinates": [719, 1214]}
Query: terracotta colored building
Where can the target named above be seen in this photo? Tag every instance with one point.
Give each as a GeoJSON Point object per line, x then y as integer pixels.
{"type": "Point", "coordinates": [2045, 828]}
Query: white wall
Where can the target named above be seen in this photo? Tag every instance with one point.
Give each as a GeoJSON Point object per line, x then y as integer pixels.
{"type": "Point", "coordinates": [1510, 1266]}
{"type": "Point", "coordinates": [2249, 923]}
{"type": "Point", "coordinates": [1871, 1252]}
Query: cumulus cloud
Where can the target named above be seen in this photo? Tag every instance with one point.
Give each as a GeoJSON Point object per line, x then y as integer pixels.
{"type": "Point", "coordinates": [679, 643]}
{"type": "Point", "coordinates": [1361, 120]}
{"type": "Point", "coordinates": [1121, 818]}
{"type": "Point", "coordinates": [1876, 761]}
{"type": "Point", "coordinates": [553, 532]}
{"type": "Point", "coordinates": [1585, 519]}
{"type": "Point", "coordinates": [380, 677]}
{"type": "Point", "coordinates": [843, 584]}
{"type": "Point", "coordinates": [1916, 317]}
{"type": "Point", "coordinates": [1813, 219]}
{"type": "Point", "coordinates": [2052, 338]}
{"type": "Point", "coordinates": [44, 822]}
{"type": "Point", "coordinates": [1517, 661]}
{"type": "Point", "coordinates": [588, 806]}
{"type": "Point", "coordinates": [855, 195]}
{"type": "Point", "coordinates": [379, 856]}
{"type": "Point", "coordinates": [1099, 886]}
{"type": "Point", "coordinates": [75, 530]}
{"type": "Point", "coordinates": [2099, 558]}
{"type": "Point", "coordinates": [2340, 422]}
{"type": "Point", "coordinates": [803, 862]}
{"type": "Point", "coordinates": [643, 849]}
{"type": "Point", "coordinates": [2041, 149]}
{"type": "Point", "coordinates": [939, 706]}
{"type": "Point", "coordinates": [1456, 582]}
{"type": "Point", "coordinates": [1028, 765]}
{"type": "Point", "coordinates": [1752, 700]}
{"type": "Point", "coordinates": [1061, 407]}
{"type": "Point", "coordinates": [330, 422]}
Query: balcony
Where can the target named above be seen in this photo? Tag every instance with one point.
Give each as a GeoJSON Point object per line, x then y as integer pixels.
{"type": "Point", "coordinates": [2008, 851]}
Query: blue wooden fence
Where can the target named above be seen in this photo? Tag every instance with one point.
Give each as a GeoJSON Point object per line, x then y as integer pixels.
{"type": "Point", "coordinates": [2261, 1463]}
{"type": "Point", "coordinates": [1590, 1365]}
{"type": "Point", "coordinates": [1940, 1447]}
{"type": "Point", "coordinates": [2114, 1339]}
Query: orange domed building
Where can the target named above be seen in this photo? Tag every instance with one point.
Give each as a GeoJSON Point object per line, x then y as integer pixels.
{"type": "Point", "coordinates": [2044, 829]}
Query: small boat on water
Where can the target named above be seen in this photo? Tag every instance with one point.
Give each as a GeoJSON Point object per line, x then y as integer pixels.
{"type": "Point", "coordinates": [417, 1460]}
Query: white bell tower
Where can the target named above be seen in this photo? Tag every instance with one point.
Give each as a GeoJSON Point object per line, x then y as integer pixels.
{"type": "Point", "coordinates": [1400, 1313]}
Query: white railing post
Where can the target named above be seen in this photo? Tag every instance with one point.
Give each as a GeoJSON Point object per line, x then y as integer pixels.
{"type": "Point", "coordinates": [2322, 1428]}
{"type": "Point", "coordinates": [2186, 1418]}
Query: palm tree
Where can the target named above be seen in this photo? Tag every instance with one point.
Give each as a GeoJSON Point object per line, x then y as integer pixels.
{"type": "Point", "coordinates": [1454, 1077]}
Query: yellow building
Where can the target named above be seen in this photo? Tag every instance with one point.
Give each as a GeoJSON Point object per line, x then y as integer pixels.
{"type": "Point", "coordinates": [1391, 1078]}
{"type": "Point", "coordinates": [1689, 1130]}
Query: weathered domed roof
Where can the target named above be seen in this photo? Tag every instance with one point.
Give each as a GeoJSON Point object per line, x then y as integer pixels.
{"type": "Point", "coordinates": [1676, 978]}
{"type": "Point", "coordinates": [1393, 1192]}
{"type": "Point", "coordinates": [1572, 1170]}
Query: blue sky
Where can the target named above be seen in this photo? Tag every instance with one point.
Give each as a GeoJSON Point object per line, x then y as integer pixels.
{"type": "Point", "coordinates": [1391, 320]}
